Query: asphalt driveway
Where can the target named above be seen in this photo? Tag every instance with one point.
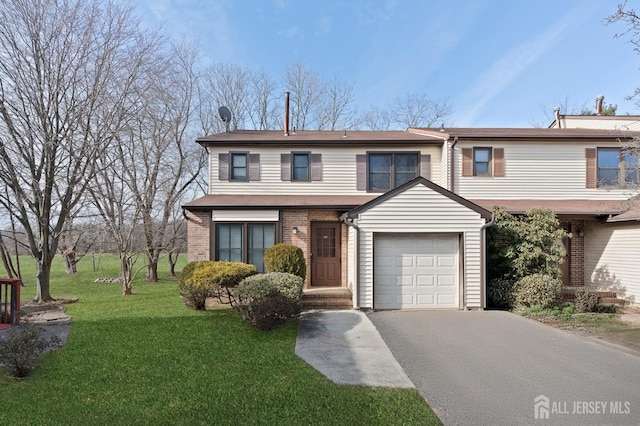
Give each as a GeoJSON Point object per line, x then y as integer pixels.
{"type": "Point", "coordinates": [496, 368]}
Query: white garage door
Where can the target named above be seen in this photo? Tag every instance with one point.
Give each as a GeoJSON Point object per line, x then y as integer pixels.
{"type": "Point", "coordinates": [415, 271]}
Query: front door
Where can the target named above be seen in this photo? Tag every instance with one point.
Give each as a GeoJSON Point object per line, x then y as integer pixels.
{"type": "Point", "coordinates": [565, 266]}
{"type": "Point", "coordinates": [325, 254]}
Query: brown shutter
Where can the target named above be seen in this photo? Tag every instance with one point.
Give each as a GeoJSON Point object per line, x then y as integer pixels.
{"type": "Point", "coordinates": [361, 172]}
{"type": "Point", "coordinates": [467, 162]}
{"type": "Point", "coordinates": [223, 167]}
{"type": "Point", "coordinates": [498, 162]}
{"type": "Point", "coordinates": [285, 166]}
{"type": "Point", "coordinates": [254, 167]}
{"type": "Point", "coordinates": [425, 166]}
{"type": "Point", "coordinates": [592, 167]}
{"type": "Point", "coordinates": [316, 166]}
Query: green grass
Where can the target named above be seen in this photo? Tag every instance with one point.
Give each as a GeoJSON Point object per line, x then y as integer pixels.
{"type": "Point", "coordinates": [148, 359]}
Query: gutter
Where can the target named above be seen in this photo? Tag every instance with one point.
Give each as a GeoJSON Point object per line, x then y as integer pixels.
{"type": "Point", "coordinates": [452, 162]}
{"type": "Point", "coordinates": [356, 285]}
{"type": "Point", "coordinates": [483, 259]}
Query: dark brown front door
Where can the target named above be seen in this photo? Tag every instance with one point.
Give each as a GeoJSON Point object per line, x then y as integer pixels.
{"type": "Point", "coordinates": [325, 254]}
{"type": "Point", "coordinates": [565, 266]}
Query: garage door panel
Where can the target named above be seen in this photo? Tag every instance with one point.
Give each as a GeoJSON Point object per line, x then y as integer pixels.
{"type": "Point", "coordinates": [422, 274]}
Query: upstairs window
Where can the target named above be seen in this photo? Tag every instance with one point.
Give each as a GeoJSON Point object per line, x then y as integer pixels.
{"type": "Point", "coordinates": [481, 161]}
{"type": "Point", "coordinates": [238, 166]}
{"type": "Point", "coordinates": [300, 166]}
{"type": "Point", "coordinates": [390, 170]}
{"type": "Point", "coordinates": [617, 167]}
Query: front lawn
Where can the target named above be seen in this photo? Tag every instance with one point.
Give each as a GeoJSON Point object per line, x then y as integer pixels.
{"type": "Point", "coordinates": [147, 359]}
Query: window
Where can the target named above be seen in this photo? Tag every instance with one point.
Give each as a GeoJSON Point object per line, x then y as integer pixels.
{"type": "Point", "coordinates": [244, 242]}
{"type": "Point", "coordinates": [617, 167]}
{"type": "Point", "coordinates": [390, 170]}
{"type": "Point", "coordinates": [300, 166]}
{"type": "Point", "coordinates": [238, 166]}
{"type": "Point", "coordinates": [481, 161]}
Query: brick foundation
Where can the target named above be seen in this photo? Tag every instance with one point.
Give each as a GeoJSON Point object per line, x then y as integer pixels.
{"type": "Point", "coordinates": [198, 235]}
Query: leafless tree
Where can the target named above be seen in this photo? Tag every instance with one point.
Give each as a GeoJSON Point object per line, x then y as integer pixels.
{"type": "Point", "coordinates": [628, 16]}
{"type": "Point", "coordinates": [66, 69]}
{"type": "Point", "coordinates": [307, 89]}
{"type": "Point", "coordinates": [164, 161]}
{"type": "Point", "coordinates": [418, 110]}
{"type": "Point", "coordinates": [229, 85]}
{"type": "Point", "coordinates": [263, 108]}
{"type": "Point", "coordinates": [335, 109]}
{"type": "Point", "coordinates": [376, 119]}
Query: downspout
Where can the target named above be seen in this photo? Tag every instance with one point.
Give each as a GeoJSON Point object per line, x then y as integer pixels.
{"type": "Point", "coordinates": [356, 285]}
{"type": "Point", "coordinates": [483, 259]}
{"type": "Point", "coordinates": [452, 161]}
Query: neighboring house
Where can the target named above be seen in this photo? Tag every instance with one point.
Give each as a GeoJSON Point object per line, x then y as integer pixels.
{"type": "Point", "coordinates": [399, 218]}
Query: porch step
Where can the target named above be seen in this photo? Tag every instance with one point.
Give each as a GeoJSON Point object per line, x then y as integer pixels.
{"type": "Point", "coordinates": [604, 297]}
{"type": "Point", "coordinates": [326, 298]}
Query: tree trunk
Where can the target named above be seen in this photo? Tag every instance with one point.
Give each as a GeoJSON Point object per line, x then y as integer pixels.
{"type": "Point", "coordinates": [127, 271]}
{"type": "Point", "coordinates": [172, 264]}
{"type": "Point", "coordinates": [70, 262]}
{"type": "Point", "coordinates": [152, 270]}
{"type": "Point", "coordinates": [42, 277]}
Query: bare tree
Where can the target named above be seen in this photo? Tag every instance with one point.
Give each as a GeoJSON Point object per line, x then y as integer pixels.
{"type": "Point", "coordinates": [376, 119]}
{"type": "Point", "coordinates": [263, 108]}
{"type": "Point", "coordinates": [307, 90]}
{"type": "Point", "coordinates": [335, 109]}
{"type": "Point", "coordinates": [163, 160]}
{"type": "Point", "coordinates": [631, 19]}
{"type": "Point", "coordinates": [66, 69]}
{"type": "Point", "coordinates": [417, 110]}
{"type": "Point", "coordinates": [229, 85]}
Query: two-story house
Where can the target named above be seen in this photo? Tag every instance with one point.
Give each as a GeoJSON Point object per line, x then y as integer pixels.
{"type": "Point", "coordinates": [399, 218]}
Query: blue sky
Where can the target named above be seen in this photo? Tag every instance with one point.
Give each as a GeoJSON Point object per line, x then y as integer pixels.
{"type": "Point", "coordinates": [499, 61]}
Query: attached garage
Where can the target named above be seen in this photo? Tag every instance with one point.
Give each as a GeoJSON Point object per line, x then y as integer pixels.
{"type": "Point", "coordinates": [418, 246]}
{"type": "Point", "coordinates": [415, 271]}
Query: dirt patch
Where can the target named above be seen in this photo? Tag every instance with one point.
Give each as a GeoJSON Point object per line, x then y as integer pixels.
{"type": "Point", "coordinates": [621, 329]}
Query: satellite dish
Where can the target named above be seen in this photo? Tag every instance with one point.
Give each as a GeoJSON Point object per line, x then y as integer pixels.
{"type": "Point", "coordinates": [225, 115]}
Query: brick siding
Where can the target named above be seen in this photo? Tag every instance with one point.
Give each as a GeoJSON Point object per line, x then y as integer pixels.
{"type": "Point", "coordinates": [198, 235]}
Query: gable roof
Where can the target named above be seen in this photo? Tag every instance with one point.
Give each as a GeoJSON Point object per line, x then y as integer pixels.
{"type": "Point", "coordinates": [319, 137]}
{"type": "Point", "coordinates": [515, 133]}
{"type": "Point", "coordinates": [419, 181]}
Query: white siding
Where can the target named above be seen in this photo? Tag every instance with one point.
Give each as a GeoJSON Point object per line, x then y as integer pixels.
{"type": "Point", "coordinates": [602, 122]}
{"type": "Point", "coordinates": [611, 259]}
{"type": "Point", "coordinates": [535, 171]}
{"type": "Point", "coordinates": [338, 170]}
{"type": "Point", "coordinates": [351, 258]}
{"type": "Point", "coordinates": [421, 210]}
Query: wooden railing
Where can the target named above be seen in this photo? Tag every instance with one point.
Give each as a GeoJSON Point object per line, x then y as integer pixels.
{"type": "Point", "coordinates": [9, 301]}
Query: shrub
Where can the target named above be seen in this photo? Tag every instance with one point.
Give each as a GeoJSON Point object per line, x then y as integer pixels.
{"type": "Point", "coordinates": [212, 279]}
{"type": "Point", "coordinates": [267, 300]}
{"type": "Point", "coordinates": [500, 292]}
{"type": "Point", "coordinates": [285, 258]}
{"type": "Point", "coordinates": [21, 348]}
{"type": "Point", "coordinates": [586, 300]}
{"type": "Point", "coordinates": [537, 289]}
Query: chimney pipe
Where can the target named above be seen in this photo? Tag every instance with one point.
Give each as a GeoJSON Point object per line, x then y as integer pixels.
{"type": "Point", "coordinates": [599, 100]}
{"type": "Point", "coordinates": [556, 110]}
{"type": "Point", "coordinates": [286, 113]}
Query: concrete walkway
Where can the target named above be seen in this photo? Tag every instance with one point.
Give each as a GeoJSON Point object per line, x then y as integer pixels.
{"type": "Point", "coordinates": [347, 348]}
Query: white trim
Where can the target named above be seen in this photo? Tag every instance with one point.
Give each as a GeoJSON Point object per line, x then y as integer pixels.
{"type": "Point", "coordinates": [245, 215]}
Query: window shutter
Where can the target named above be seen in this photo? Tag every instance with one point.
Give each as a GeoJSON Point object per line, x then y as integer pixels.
{"type": "Point", "coordinates": [316, 167]}
{"type": "Point", "coordinates": [254, 167]}
{"type": "Point", "coordinates": [361, 172]}
{"type": "Point", "coordinates": [223, 167]}
{"type": "Point", "coordinates": [467, 162]}
{"type": "Point", "coordinates": [592, 171]}
{"type": "Point", "coordinates": [425, 166]}
{"type": "Point", "coordinates": [498, 162]}
{"type": "Point", "coordinates": [285, 166]}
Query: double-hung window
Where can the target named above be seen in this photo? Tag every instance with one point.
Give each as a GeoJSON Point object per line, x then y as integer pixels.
{"type": "Point", "coordinates": [238, 166]}
{"type": "Point", "coordinates": [481, 161]}
{"type": "Point", "coordinates": [244, 242]}
{"type": "Point", "coordinates": [390, 170]}
{"type": "Point", "coordinates": [300, 166]}
{"type": "Point", "coordinates": [617, 167]}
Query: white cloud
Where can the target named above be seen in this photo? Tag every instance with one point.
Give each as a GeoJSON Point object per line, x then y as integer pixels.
{"type": "Point", "coordinates": [324, 26]}
{"type": "Point", "coordinates": [290, 32]}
